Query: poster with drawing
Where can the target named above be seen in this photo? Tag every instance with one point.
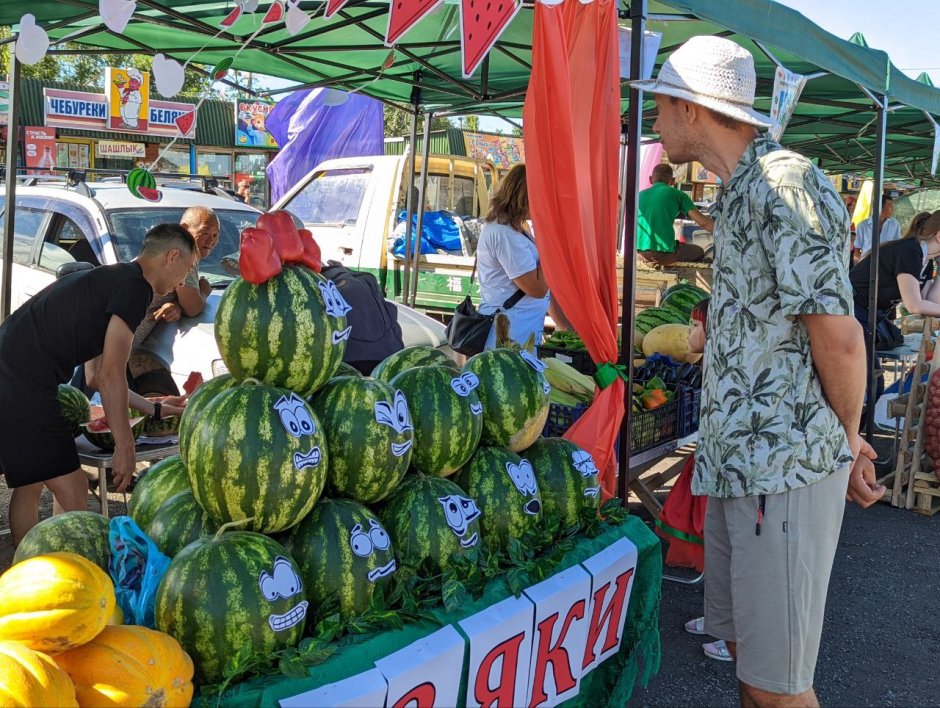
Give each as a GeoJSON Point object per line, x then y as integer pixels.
{"type": "Point", "coordinates": [505, 151]}
{"type": "Point", "coordinates": [250, 124]}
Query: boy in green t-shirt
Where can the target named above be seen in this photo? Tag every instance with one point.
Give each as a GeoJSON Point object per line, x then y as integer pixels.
{"type": "Point", "coordinates": [659, 205]}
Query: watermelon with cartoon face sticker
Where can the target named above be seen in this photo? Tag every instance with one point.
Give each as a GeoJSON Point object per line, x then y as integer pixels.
{"type": "Point", "coordinates": [370, 436]}
{"type": "Point", "coordinates": [505, 489]}
{"type": "Point", "coordinates": [257, 453]}
{"type": "Point", "coordinates": [343, 550]}
{"type": "Point", "coordinates": [567, 478]}
{"type": "Point", "coordinates": [227, 592]}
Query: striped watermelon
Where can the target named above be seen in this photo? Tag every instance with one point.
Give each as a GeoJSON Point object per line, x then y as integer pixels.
{"type": "Point", "coordinates": [75, 407]}
{"type": "Point", "coordinates": [430, 518]}
{"type": "Point", "coordinates": [99, 434]}
{"type": "Point", "coordinates": [653, 317]}
{"type": "Point", "coordinates": [447, 417]}
{"type": "Point", "coordinates": [514, 393]}
{"type": "Point", "coordinates": [258, 452]}
{"type": "Point", "coordinates": [345, 369]}
{"type": "Point", "coordinates": [566, 476]}
{"type": "Point", "coordinates": [682, 298]}
{"type": "Point", "coordinates": [159, 483]}
{"type": "Point", "coordinates": [506, 491]}
{"type": "Point", "coordinates": [226, 592]}
{"type": "Point", "coordinates": [409, 358]}
{"type": "Point", "coordinates": [289, 332]}
{"type": "Point", "coordinates": [201, 398]}
{"type": "Point", "coordinates": [369, 435]}
{"type": "Point", "coordinates": [81, 532]}
{"type": "Point", "coordinates": [342, 549]}
{"type": "Point", "coordinates": [178, 522]}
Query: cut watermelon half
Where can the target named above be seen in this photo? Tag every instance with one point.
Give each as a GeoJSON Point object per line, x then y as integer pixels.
{"type": "Point", "coordinates": [99, 425]}
{"type": "Point", "coordinates": [481, 24]}
{"type": "Point", "coordinates": [404, 14]}
{"type": "Point", "coordinates": [186, 122]}
{"type": "Point", "coordinates": [275, 13]}
{"type": "Point", "coordinates": [151, 195]}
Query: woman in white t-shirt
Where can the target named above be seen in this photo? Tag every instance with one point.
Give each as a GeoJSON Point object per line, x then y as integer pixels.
{"type": "Point", "coordinates": [508, 260]}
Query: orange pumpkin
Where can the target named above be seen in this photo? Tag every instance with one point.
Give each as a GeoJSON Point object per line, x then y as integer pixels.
{"type": "Point", "coordinates": [130, 666]}
{"type": "Point", "coordinates": [29, 678]}
{"type": "Point", "coordinates": [54, 602]}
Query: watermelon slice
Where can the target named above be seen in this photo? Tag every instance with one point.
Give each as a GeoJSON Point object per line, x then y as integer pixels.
{"type": "Point", "coordinates": [186, 122]}
{"type": "Point", "coordinates": [151, 195]}
{"type": "Point", "coordinates": [275, 13]}
{"type": "Point", "coordinates": [481, 23]}
{"type": "Point", "coordinates": [389, 61]}
{"type": "Point", "coordinates": [192, 383]}
{"type": "Point", "coordinates": [404, 14]}
{"type": "Point", "coordinates": [334, 6]}
{"type": "Point", "coordinates": [232, 17]}
{"type": "Point", "coordinates": [99, 425]}
{"type": "Point", "coordinates": [221, 69]}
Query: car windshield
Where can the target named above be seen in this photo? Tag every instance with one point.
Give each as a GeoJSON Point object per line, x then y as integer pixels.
{"type": "Point", "coordinates": [130, 225]}
{"type": "Point", "coordinates": [332, 198]}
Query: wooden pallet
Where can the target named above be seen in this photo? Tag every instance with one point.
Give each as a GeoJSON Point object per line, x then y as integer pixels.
{"type": "Point", "coordinates": [926, 494]}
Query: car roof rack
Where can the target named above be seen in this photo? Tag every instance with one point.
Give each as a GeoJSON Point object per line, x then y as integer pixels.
{"type": "Point", "coordinates": [77, 179]}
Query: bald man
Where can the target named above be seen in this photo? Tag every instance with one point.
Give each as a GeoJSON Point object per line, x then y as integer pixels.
{"type": "Point", "coordinates": [658, 207]}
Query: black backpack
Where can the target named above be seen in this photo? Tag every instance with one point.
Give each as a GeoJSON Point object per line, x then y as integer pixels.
{"type": "Point", "coordinates": [374, 320]}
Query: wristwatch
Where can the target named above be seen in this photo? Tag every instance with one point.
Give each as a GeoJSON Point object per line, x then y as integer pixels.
{"type": "Point", "coordinates": [157, 410]}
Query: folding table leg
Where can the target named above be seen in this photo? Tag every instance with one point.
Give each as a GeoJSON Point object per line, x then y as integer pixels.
{"type": "Point", "coordinates": [103, 490]}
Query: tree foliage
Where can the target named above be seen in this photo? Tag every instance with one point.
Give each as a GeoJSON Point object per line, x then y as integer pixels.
{"type": "Point", "coordinates": [398, 123]}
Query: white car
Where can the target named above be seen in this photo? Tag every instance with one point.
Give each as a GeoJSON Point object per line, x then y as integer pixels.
{"type": "Point", "coordinates": [103, 223]}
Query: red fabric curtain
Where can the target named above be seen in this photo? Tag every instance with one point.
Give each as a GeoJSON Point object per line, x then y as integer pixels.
{"type": "Point", "coordinates": [571, 123]}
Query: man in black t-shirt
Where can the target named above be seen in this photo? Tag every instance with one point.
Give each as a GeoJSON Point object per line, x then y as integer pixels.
{"type": "Point", "coordinates": [88, 318]}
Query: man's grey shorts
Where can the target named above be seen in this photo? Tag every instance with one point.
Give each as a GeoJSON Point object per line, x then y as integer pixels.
{"type": "Point", "coordinates": [767, 592]}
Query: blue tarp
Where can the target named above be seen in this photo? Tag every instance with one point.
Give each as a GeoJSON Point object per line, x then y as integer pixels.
{"type": "Point", "coordinates": [439, 232]}
{"type": "Point", "coordinates": [309, 131]}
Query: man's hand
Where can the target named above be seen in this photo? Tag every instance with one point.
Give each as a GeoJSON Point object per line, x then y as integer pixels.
{"type": "Point", "coordinates": [173, 405]}
{"type": "Point", "coordinates": [123, 464]}
{"type": "Point", "coordinates": [863, 490]}
{"type": "Point", "coordinates": [169, 312]}
{"type": "Point", "coordinates": [860, 447]}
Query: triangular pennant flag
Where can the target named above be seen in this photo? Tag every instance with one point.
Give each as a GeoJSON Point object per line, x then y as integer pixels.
{"type": "Point", "coordinates": [232, 17]}
{"type": "Point", "coordinates": [275, 13]}
{"type": "Point", "coordinates": [404, 14]}
{"type": "Point", "coordinates": [334, 6]}
{"type": "Point", "coordinates": [481, 24]}
{"type": "Point", "coordinates": [186, 122]}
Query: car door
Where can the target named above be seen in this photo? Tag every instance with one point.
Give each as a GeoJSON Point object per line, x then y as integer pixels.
{"type": "Point", "coordinates": [29, 229]}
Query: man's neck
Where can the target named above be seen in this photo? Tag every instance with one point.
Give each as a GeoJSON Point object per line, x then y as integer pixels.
{"type": "Point", "coordinates": [723, 154]}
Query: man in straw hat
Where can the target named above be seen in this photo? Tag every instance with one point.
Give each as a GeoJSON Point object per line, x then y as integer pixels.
{"type": "Point", "coordinates": [784, 375]}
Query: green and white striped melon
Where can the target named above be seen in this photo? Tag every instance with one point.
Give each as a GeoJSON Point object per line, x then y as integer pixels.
{"type": "Point", "coordinates": [227, 593]}
{"type": "Point", "coordinates": [288, 332]}
{"type": "Point", "coordinates": [342, 549]}
{"type": "Point", "coordinates": [430, 519]}
{"type": "Point", "coordinates": [258, 453]}
{"type": "Point", "coordinates": [682, 298]}
{"type": "Point", "coordinates": [178, 522]}
{"type": "Point", "coordinates": [652, 318]}
{"type": "Point", "coordinates": [369, 435]}
{"type": "Point", "coordinates": [164, 479]}
{"type": "Point", "coordinates": [201, 398]}
{"type": "Point", "coordinates": [567, 478]}
{"type": "Point", "coordinates": [75, 407]}
{"type": "Point", "coordinates": [81, 532]}
{"type": "Point", "coordinates": [514, 393]}
{"type": "Point", "coordinates": [447, 417]}
{"type": "Point", "coordinates": [506, 491]}
{"type": "Point", "coordinates": [345, 369]}
{"type": "Point", "coordinates": [409, 358]}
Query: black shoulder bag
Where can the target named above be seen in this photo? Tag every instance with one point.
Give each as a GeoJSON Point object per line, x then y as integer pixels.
{"type": "Point", "coordinates": [468, 331]}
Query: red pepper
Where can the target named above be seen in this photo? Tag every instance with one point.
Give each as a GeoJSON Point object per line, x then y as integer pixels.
{"type": "Point", "coordinates": [286, 239]}
{"type": "Point", "coordinates": [311, 257]}
{"type": "Point", "coordinates": [258, 260]}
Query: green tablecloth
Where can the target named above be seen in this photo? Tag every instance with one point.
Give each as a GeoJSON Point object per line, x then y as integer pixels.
{"type": "Point", "coordinates": [610, 683]}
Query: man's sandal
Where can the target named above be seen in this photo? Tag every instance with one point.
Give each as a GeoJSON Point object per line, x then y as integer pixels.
{"type": "Point", "coordinates": [696, 626]}
{"type": "Point", "coordinates": [717, 650]}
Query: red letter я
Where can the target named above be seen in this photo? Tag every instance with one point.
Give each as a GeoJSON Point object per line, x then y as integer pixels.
{"type": "Point", "coordinates": [610, 618]}
{"type": "Point", "coordinates": [556, 655]}
{"type": "Point", "coordinates": [504, 693]}
{"type": "Point", "coordinates": [421, 696]}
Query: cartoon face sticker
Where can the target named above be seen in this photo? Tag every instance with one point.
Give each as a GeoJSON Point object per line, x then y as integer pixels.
{"type": "Point", "coordinates": [294, 415]}
{"type": "Point", "coordinates": [464, 384]}
{"type": "Point", "coordinates": [396, 416]}
{"type": "Point", "coordinates": [305, 460]}
{"type": "Point", "coordinates": [546, 387]}
{"type": "Point", "coordinates": [459, 512]}
{"type": "Point", "coordinates": [523, 478]}
{"type": "Point", "coordinates": [364, 543]}
{"type": "Point", "coordinates": [282, 582]}
{"type": "Point", "coordinates": [584, 463]}
{"type": "Point", "coordinates": [533, 361]}
{"type": "Point", "coordinates": [336, 306]}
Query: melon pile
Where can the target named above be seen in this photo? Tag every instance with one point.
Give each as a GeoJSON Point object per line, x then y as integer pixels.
{"type": "Point", "coordinates": [665, 329]}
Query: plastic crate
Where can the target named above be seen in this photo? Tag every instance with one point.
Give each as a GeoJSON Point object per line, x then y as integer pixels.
{"type": "Point", "coordinates": [560, 418]}
{"type": "Point", "coordinates": [649, 428]}
{"type": "Point", "coordinates": [690, 401]}
{"type": "Point", "coordinates": [578, 359]}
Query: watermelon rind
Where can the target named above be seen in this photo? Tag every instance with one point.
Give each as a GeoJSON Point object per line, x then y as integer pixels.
{"type": "Point", "coordinates": [505, 489]}
{"type": "Point", "coordinates": [682, 299]}
{"type": "Point", "coordinates": [447, 416]}
{"type": "Point", "coordinates": [567, 479]}
{"type": "Point", "coordinates": [81, 532]}
{"type": "Point", "coordinates": [342, 550]}
{"type": "Point", "coordinates": [345, 369]}
{"type": "Point", "coordinates": [409, 358]}
{"type": "Point", "coordinates": [515, 397]}
{"type": "Point", "coordinates": [178, 522]}
{"type": "Point", "coordinates": [369, 434]}
{"type": "Point", "coordinates": [164, 479]}
{"type": "Point", "coordinates": [230, 593]}
{"type": "Point", "coordinates": [430, 519]}
{"type": "Point", "coordinates": [200, 399]}
{"type": "Point", "coordinates": [76, 408]}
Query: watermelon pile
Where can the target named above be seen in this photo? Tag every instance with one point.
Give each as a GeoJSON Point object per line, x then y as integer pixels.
{"type": "Point", "coordinates": [674, 308]}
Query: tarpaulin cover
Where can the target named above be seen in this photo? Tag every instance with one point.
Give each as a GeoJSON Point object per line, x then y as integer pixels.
{"type": "Point", "coordinates": [439, 232]}
{"type": "Point", "coordinates": [572, 126]}
{"type": "Point", "coordinates": [309, 131]}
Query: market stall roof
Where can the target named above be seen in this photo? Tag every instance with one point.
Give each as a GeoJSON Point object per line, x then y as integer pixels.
{"type": "Point", "coordinates": [833, 122]}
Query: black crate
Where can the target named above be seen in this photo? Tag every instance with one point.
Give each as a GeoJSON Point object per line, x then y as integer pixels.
{"type": "Point", "coordinates": [560, 418]}
{"type": "Point", "coordinates": [578, 359]}
{"type": "Point", "coordinates": [649, 428]}
{"type": "Point", "coordinates": [690, 400]}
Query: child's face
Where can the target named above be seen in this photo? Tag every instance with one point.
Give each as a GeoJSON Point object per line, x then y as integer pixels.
{"type": "Point", "coordinates": [696, 337]}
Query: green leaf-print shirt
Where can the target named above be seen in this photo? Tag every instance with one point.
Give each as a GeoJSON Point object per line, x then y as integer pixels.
{"type": "Point", "coordinates": [781, 250]}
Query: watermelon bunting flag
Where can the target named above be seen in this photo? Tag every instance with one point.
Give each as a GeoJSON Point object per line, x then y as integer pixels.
{"type": "Point", "coordinates": [481, 24]}
{"type": "Point", "coordinates": [405, 14]}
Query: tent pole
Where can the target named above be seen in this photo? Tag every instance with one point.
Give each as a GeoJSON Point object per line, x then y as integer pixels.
{"type": "Point", "coordinates": [409, 185]}
{"type": "Point", "coordinates": [881, 104]}
{"type": "Point", "coordinates": [622, 184]}
{"type": "Point", "coordinates": [422, 195]}
{"type": "Point", "coordinates": [13, 135]}
{"type": "Point", "coordinates": [629, 196]}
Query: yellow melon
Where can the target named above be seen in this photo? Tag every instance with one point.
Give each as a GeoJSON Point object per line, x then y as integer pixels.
{"type": "Point", "coordinates": [29, 678]}
{"type": "Point", "coordinates": [671, 340]}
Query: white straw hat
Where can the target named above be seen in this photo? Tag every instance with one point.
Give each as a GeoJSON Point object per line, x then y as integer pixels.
{"type": "Point", "coordinates": [713, 72]}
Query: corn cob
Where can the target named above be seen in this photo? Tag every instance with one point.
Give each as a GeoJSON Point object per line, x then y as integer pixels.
{"type": "Point", "coordinates": [566, 378]}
